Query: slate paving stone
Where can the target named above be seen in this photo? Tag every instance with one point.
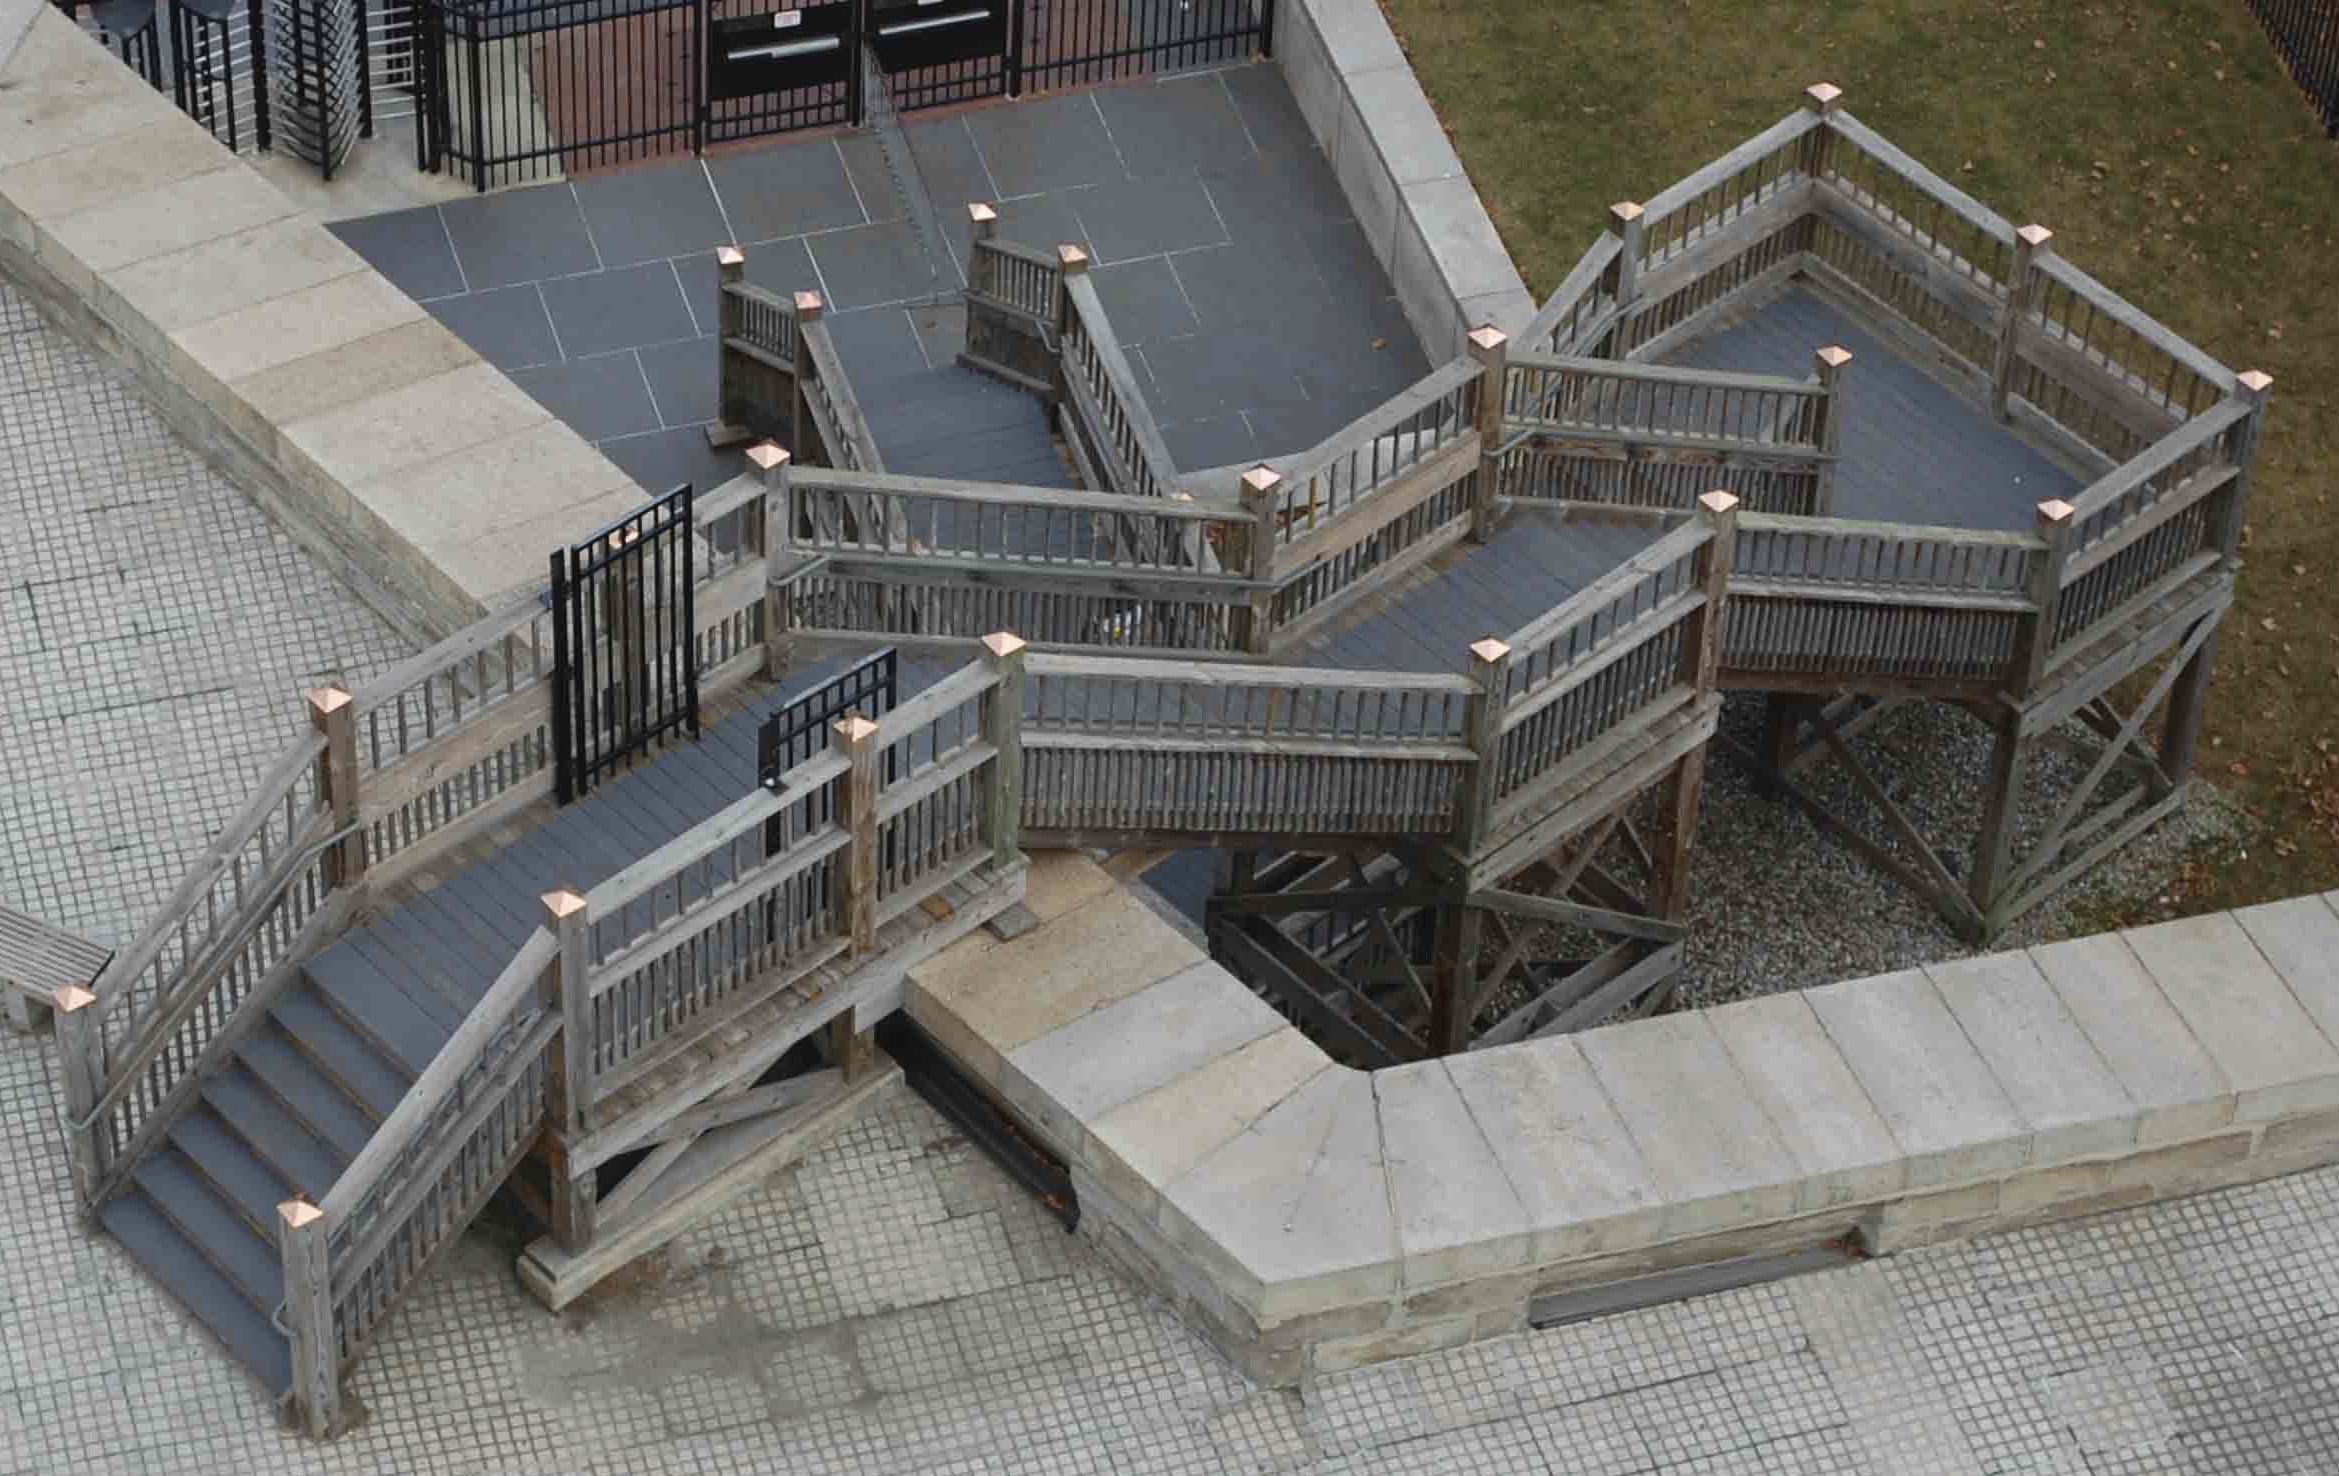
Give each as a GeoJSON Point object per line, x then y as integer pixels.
{"type": "Point", "coordinates": [1174, 126]}
{"type": "Point", "coordinates": [519, 236]}
{"type": "Point", "coordinates": [508, 326]}
{"type": "Point", "coordinates": [1192, 378]}
{"type": "Point", "coordinates": [1252, 286]}
{"type": "Point", "coordinates": [1264, 196]}
{"type": "Point", "coordinates": [630, 307]}
{"type": "Point", "coordinates": [1270, 114]}
{"type": "Point", "coordinates": [784, 267]}
{"type": "Point", "coordinates": [598, 398]}
{"type": "Point", "coordinates": [1050, 143]}
{"type": "Point", "coordinates": [1146, 217]}
{"type": "Point", "coordinates": [949, 165]}
{"type": "Point", "coordinates": [1042, 222]}
{"type": "Point", "coordinates": [878, 346]}
{"type": "Point", "coordinates": [662, 460]}
{"type": "Point", "coordinates": [1217, 440]}
{"type": "Point", "coordinates": [876, 264]}
{"type": "Point", "coordinates": [1144, 300]}
{"type": "Point", "coordinates": [865, 170]}
{"type": "Point", "coordinates": [685, 380]}
{"type": "Point", "coordinates": [785, 190]}
{"type": "Point", "coordinates": [941, 331]}
{"type": "Point", "coordinates": [410, 247]}
{"type": "Point", "coordinates": [653, 212]}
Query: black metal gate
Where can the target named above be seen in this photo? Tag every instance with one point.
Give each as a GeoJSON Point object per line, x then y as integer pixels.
{"type": "Point", "coordinates": [624, 648]}
{"type": "Point", "coordinates": [800, 729]}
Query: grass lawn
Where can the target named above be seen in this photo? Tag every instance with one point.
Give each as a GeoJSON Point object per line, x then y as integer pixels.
{"type": "Point", "coordinates": [2159, 138]}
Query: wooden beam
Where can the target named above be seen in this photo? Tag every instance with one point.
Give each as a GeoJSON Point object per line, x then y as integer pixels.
{"type": "Point", "coordinates": [1647, 974]}
{"type": "Point", "coordinates": [1571, 914]}
{"type": "Point", "coordinates": [1607, 966]}
{"type": "Point", "coordinates": [1285, 969]}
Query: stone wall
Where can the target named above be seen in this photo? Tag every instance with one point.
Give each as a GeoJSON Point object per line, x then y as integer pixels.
{"type": "Point", "coordinates": [1314, 1217]}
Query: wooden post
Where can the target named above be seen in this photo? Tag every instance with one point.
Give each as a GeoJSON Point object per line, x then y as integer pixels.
{"type": "Point", "coordinates": [1003, 730]}
{"type": "Point", "coordinates": [575, 1196]}
{"type": "Point", "coordinates": [1489, 345]}
{"type": "Point", "coordinates": [2180, 733]}
{"type": "Point", "coordinates": [1701, 662]}
{"type": "Point", "coordinates": [1994, 840]}
{"type": "Point", "coordinates": [809, 307]}
{"type": "Point", "coordinates": [858, 812]}
{"type": "Point", "coordinates": [1490, 670]}
{"type": "Point", "coordinates": [81, 1067]}
{"type": "Point", "coordinates": [1071, 261]}
{"type": "Point", "coordinates": [984, 219]}
{"type": "Point", "coordinates": [304, 1241]}
{"type": "Point", "coordinates": [1830, 362]}
{"type": "Point", "coordinates": [2031, 243]}
{"type": "Point", "coordinates": [333, 713]}
{"type": "Point", "coordinates": [730, 427]}
{"type": "Point", "coordinates": [2255, 388]}
{"type": "Point", "coordinates": [1453, 983]}
{"type": "Point", "coordinates": [2046, 591]}
{"type": "Point", "coordinates": [1624, 222]}
{"type": "Point", "coordinates": [853, 1052]}
{"type": "Point", "coordinates": [1826, 99]}
{"type": "Point", "coordinates": [778, 535]}
{"type": "Point", "coordinates": [1262, 494]}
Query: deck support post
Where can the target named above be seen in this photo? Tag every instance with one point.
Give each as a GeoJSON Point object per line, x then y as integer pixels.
{"type": "Point", "coordinates": [2031, 243]}
{"type": "Point", "coordinates": [851, 1049]}
{"type": "Point", "coordinates": [1489, 345]}
{"type": "Point", "coordinates": [809, 307]}
{"type": "Point", "coordinates": [569, 980]}
{"type": "Point", "coordinates": [1003, 651]}
{"type": "Point", "coordinates": [857, 811]}
{"type": "Point", "coordinates": [1624, 223]}
{"type": "Point", "coordinates": [1262, 494]}
{"type": "Point", "coordinates": [1826, 99]}
{"type": "Point", "coordinates": [2180, 734]}
{"type": "Point", "coordinates": [82, 1072]}
{"type": "Point", "coordinates": [303, 1238]}
{"type": "Point", "coordinates": [1453, 984]}
{"type": "Point", "coordinates": [775, 536]}
{"type": "Point", "coordinates": [1993, 852]}
{"type": "Point", "coordinates": [333, 714]}
{"type": "Point", "coordinates": [1701, 662]}
{"type": "Point", "coordinates": [730, 427]}
{"type": "Point", "coordinates": [1831, 363]}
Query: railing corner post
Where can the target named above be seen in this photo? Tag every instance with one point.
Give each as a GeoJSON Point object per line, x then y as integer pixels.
{"type": "Point", "coordinates": [81, 1062]}
{"type": "Point", "coordinates": [304, 1239]}
{"type": "Point", "coordinates": [775, 535]}
{"type": "Point", "coordinates": [1625, 223]}
{"type": "Point", "coordinates": [2255, 388]}
{"type": "Point", "coordinates": [569, 1097]}
{"type": "Point", "coordinates": [730, 274]}
{"type": "Point", "coordinates": [1701, 650]}
{"type": "Point", "coordinates": [809, 307]}
{"type": "Point", "coordinates": [1490, 672]}
{"type": "Point", "coordinates": [1826, 99]}
{"type": "Point", "coordinates": [1071, 261]}
{"type": "Point", "coordinates": [1003, 729]}
{"type": "Point", "coordinates": [1262, 493]}
{"type": "Point", "coordinates": [333, 713]}
{"type": "Point", "coordinates": [2031, 243]}
{"type": "Point", "coordinates": [1831, 363]}
{"type": "Point", "coordinates": [984, 218]}
{"type": "Point", "coordinates": [2055, 518]}
{"type": "Point", "coordinates": [857, 736]}
{"type": "Point", "coordinates": [1490, 346]}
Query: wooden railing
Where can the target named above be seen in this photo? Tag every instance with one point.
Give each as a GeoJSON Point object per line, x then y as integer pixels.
{"type": "Point", "coordinates": [2102, 369]}
{"type": "Point", "coordinates": [835, 434]}
{"type": "Point", "coordinates": [757, 353]}
{"type": "Point", "coordinates": [1011, 298]}
{"type": "Point", "coordinates": [1108, 425]}
{"type": "Point", "coordinates": [1578, 317]}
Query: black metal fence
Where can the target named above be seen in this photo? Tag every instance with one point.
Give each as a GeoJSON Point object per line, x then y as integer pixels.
{"type": "Point", "coordinates": [2306, 34]}
{"type": "Point", "coordinates": [801, 728]}
{"type": "Point", "coordinates": [513, 90]}
{"type": "Point", "coordinates": [625, 660]}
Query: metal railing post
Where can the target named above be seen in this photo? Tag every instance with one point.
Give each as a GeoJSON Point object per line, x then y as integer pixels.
{"type": "Point", "coordinates": [1831, 363]}
{"type": "Point", "coordinates": [569, 1094]}
{"type": "Point", "coordinates": [82, 1073]}
{"type": "Point", "coordinates": [304, 1240]}
{"type": "Point", "coordinates": [333, 713]}
{"type": "Point", "coordinates": [1003, 730]}
{"type": "Point", "coordinates": [1490, 346]}
{"type": "Point", "coordinates": [1262, 494]}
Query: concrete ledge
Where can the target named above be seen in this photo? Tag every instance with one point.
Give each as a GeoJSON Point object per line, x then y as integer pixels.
{"type": "Point", "coordinates": [316, 384]}
{"type": "Point", "coordinates": [1310, 1217]}
{"type": "Point", "coordinates": [1401, 176]}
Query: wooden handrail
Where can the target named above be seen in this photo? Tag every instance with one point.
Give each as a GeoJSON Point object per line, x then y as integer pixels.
{"type": "Point", "coordinates": [1597, 261]}
{"type": "Point", "coordinates": [1876, 146]}
{"type": "Point", "coordinates": [2111, 305]}
{"type": "Point", "coordinates": [2155, 459]}
{"type": "Point", "coordinates": [1761, 146]}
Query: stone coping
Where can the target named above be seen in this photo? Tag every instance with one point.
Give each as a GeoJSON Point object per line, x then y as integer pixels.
{"type": "Point", "coordinates": [1402, 178]}
{"type": "Point", "coordinates": [390, 445]}
{"type": "Point", "coordinates": [1313, 1217]}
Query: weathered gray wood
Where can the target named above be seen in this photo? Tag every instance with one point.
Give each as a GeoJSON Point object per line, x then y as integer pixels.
{"type": "Point", "coordinates": [303, 1234]}
{"type": "Point", "coordinates": [1577, 915]}
{"type": "Point", "coordinates": [1885, 152]}
{"type": "Point", "coordinates": [1003, 729]}
{"type": "Point", "coordinates": [857, 813]}
{"type": "Point", "coordinates": [567, 918]}
{"type": "Point", "coordinates": [1772, 141]}
{"type": "Point", "coordinates": [1489, 350]}
{"type": "Point", "coordinates": [81, 1072]}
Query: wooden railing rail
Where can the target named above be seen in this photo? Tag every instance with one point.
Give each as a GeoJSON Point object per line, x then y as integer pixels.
{"type": "Point", "coordinates": [1374, 451]}
{"type": "Point", "coordinates": [1576, 318]}
{"type": "Point", "coordinates": [1113, 426]}
{"type": "Point", "coordinates": [756, 354]}
{"type": "Point", "coordinates": [825, 391]}
{"type": "Point", "coordinates": [1011, 298]}
{"type": "Point", "coordinates": [1042, 527]}
{"type": "Point", "coordinates": [1696, 409]}
{"type": "Point", "coordinates": [1719, 196]}
{"type": "Point", "coordinates": [941, 601]}
{"type": "Point", "coordinates": [2094, 363]}
{"type": "Point", "coordinates": [1013, 277]}
{"type": "Point", "coordinates": [1957, 231]}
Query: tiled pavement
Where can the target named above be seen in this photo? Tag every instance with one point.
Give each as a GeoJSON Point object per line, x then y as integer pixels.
{"type": "Point", "coordinates": [157, 633]}
{"type": "Point", "coordinates": [893, 1305]}
{"type": "Point", "coordinates": [1204, 201]}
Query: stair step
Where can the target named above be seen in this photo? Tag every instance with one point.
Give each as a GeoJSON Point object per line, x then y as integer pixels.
{"type": "Point", "coordinates": [241, 1176]}
{"type": "Point", "coordinates": [180, 1269]}
{"type": "Point", "coordinates": [211, 1225]}
{"type": "Point", "coordinates": [336, 1047]}
{"type": "Point", "coordinates": [273, 1133]}
{"type": "Point", "coordinates": [306, 1092]}
{"type": "Point", "coordinates": [391, 1020]}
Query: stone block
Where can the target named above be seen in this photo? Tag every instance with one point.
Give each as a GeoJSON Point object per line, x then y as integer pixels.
{"type": "Point", "coordinates": [1338, 1355]}
{"type": "Point", "coordinates": [2300, 1142]}
{"type": "Point", "coordinates": [1395, 119]}
{"type": "Point", "coordinates": [2184, 1168]}
{"type": "Point", "coordinates": [224, 199]}
{"type": "Point", "coordinates": [429, 421]}
{"type": "Point", "coordinates": [64, 91]}
{"type": "Point", "coordinates": [1295, 1208]}
{"type": "Point", "coordinates": [1315, 83]}
{"type": "Point", "coordinates": [1420, 285]}
{"type": "Point", "coordinates": [1579, 1177]}
{"type": "Point", "coordinates": [1470, 256]}
{"type": "Point", "coordinates": [2178, 1091]}
{"type": "Point", "coordinates": [1929, 1219]}
{"type": "Point", "coordinates": [1061, 881]}
{"type": "Point", "coordinates": [1510, 309]}
{"type": "Point", "coordinates": [528, 478]}
{"type": "Point", "coordinates": [1356, 35]}
{"type": "Point", "coordinates": [500, 565]}
{"type": "Point", "coordinates": [58, 185]}
{"type": "Point", "coordinates": [1945, 1109]}
{"type": "Point", "coordinates": [349, 373]}
{"type": "Point", "coordinates": [299, 324]}
{"type": "Point", "coordinates": [1840, 1144]}
{"type": "Point", "coordinates": [1715, 1153]}
{"type": "Point", "coordinates": [2300, 938]}
{"type": "Point", "coordinates": [2054, 1075]}
{"type": "Point", "coordinates": [1458, 1216]}
{"type": "Point", "coordinates": [1143, 1146]}
{"type": "Point", "coordinates": [218, 276]}
{"type": "Point", "coordinates": [986, 1002]}
{"type": "Point", "coordinates": [2243, 1014]}
{"type": "Point", "coordinates": [1129, 1047]}
{"type": "Point", "coordinates": [2041, 1188]}
{"type": "Point", "coordinates": [1365, 181]}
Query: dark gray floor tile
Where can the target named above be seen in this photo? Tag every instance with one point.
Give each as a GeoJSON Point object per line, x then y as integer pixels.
{"type": "Point", "coordinates": [598, 398]}
{"type": "Point", "coordinates": [784, 267]}
{"type": "Point", "coordinates": [948, 165]}
{"type": "Point", "coordinates": [1294, 426]}
{"type": "Point", "coordinates": [865, 166]}
{"type": "Point", "coordinates": [519, 236]}
{"type": "Point", "coordinates": [685, 380]}
{"type": "Point", "coordinates": [507, 327]}
{"type": "Point", "coordinates": [410, 247]}
{"type": "Point", "coordinates": [1262, 286]}
{"type": "Point", "coordinates": [786, 190]}
{"type": "Point", "coordinates": [1175, 126]}
{"type": "Point", "coordinates": [1271, 194]}
{"type": "Point", "coordinates": [654, 211]}
{"type": "Point", "coordinates": [941, 331]}
{"type": "Point", "coordinates": [662, 460]}
{"type": "Point", "coordinates": [1269, 112]}
{"type": "Point", "coordinates": [1198, 377]}
{"type": "Point", "coordinates": [1217, 440]}
{"type": "Point", "coordinates": [630, 307]}
{"type": "Point", "coordinates": [878, 263]}
{"type": "Point", "coordinates": [1143, 300]}
{"type": "Point", "coordinates": [1345, 260]}
{"type": "Point", "coordinates": [877, 346]}
{"type": "Point", "coordinates": [1145, 217]}
{"type": "Point", "coordinates": [1048, 144]}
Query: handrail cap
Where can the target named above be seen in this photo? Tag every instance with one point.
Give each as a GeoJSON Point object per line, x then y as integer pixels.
{"type": "Point", "coordinates": [2033, 235]}
{"type": "Point", "coordinates": [730, 256]}
{"type": "Point", "coordinates": [1624, 212]}
{"type": "Point", "coordinates": [1489, 337]}
{"type": "Point", "coordinates": [1834, 356]}
{"type": "Point", "coordinates": [768, 455]}
{"type": "Point", "coordinates": [299, 1214]}
{"type": "Point", "coordinates": [2257, 381]}
{"type": "Point", "coordinates": [1262, 478]}
{"type": "Point", "coordinates": [72, 997]}
{"type": "Point", "coordinates": [566, 902]}
{"type": "Point", "coordinates": [1003, 643]}
{"type": "Point", "coordinates": [978, 212]}
{"type": "Point", "coordinates": [1823, 97]}
{"type": "Point", "coordinates": [1719, 501]}
{"type": "Point", "coordinates": [2056, 510]}
{"type": "Point", "coordinates": [809, 302]}
{"type": "Point", "coordinates": [1489, 650]}
{"type": "Point", "coordinates": [328, 700]}
{"type": "Point", "coordinates": [854, 728]}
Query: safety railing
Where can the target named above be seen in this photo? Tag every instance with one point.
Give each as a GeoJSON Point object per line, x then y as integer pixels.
{"type": "Point", "coordinates": [831, 431]}
{"type": "Point", "coordinates": [1011, 299]}
{"type": "Point", "coordinates": [1109, 427]}
{"type": "Point", "coordinates": [756, 350]}
{"type": "Point", "coordinates": [1580, 314]}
